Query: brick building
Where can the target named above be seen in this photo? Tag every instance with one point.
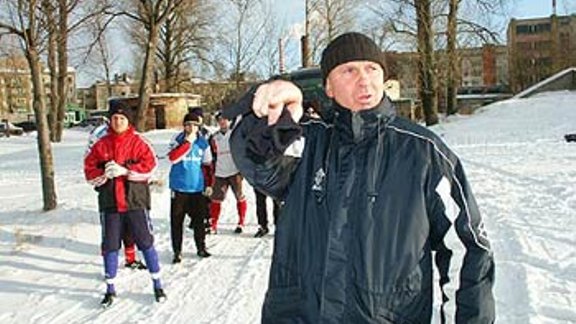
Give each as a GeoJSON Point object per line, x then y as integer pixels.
{"type": "Point", "coordinates": [540, 47]}
{"type": "Point", "coordinates": [16, 95]}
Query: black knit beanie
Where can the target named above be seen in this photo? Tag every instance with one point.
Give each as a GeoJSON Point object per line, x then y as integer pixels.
{"type": "Point", "coordinates": [198, 111]}
{"type": "Point", "coordinates": [191, 117]}
{"type": "Point", "coordinates": [350, 47]}
{"type": "Point", "coordinates": [119, 107]}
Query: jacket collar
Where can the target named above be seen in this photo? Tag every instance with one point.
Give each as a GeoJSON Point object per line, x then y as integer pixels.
{"type": "Point", "coordinates": [357, 126]}
{"type": "Point", "coordinates": [123, 135]}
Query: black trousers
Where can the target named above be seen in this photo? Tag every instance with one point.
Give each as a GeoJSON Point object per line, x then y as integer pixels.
{"type": "Point", "coordinates": [194, 205]}
{"type": "Point", "coordinates": [262, 211]}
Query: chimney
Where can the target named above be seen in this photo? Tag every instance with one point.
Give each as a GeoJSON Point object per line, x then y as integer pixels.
{"type": "Point", "coordinates": [281, 66]}
{"type": "Point", "coordinates": [305, 51]}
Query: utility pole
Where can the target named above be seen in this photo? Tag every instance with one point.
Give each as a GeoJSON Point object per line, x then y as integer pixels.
{"type": "Point", "coordinates": [305, 40]}
{"type": "Point", "coordinates": [281, 66]}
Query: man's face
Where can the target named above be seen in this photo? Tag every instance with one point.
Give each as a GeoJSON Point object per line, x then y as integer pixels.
{"type": "Point", "coordinates": [119, 123]}
{"type": "Point", "coordinates": [356, 85]}
{"type": "Point", "coordinates": [223, 123]}
{"type": "Point", "coordinates": [191, 127]}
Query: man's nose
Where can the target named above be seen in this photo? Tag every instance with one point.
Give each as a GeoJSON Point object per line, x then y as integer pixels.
{"type": "Point", "coordinates": [363, 77]}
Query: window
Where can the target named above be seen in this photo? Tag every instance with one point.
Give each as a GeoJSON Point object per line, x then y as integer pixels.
{"type": "Point", "coordinates": [543, 28]}
{"type": "Point", "coordinates": [534, 29]}
{"type": "Point", "coordinates": [523, 29]}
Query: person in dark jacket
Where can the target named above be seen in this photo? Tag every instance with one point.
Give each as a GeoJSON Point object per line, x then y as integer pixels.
{"type": "Point", "coordinates": [372, 201]}
{"type": "Point", "coordinates": [190, 177]}
{"type": "Point", "coordinates": [262, 213]}
{"type": "Point", "coordinates": [119, 166]}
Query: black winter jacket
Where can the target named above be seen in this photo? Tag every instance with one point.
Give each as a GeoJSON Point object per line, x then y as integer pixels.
{"type": "Point", "coordinates": [367, 213]}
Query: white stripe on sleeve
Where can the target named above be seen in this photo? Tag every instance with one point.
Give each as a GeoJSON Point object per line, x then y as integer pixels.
{"type": "Point", "coordinates": [454, 244]}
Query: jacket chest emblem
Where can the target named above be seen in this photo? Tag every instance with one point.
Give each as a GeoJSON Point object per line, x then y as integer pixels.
{"type": "Point", "coordinates": [319, 184]}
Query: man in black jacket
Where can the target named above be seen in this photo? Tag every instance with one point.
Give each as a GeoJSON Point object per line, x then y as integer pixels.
{"type": "Point", "coordinates": [371, 202]}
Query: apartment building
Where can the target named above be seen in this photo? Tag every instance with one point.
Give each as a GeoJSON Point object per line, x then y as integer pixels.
{"type": "Point", "coordinates": [16, 94]}
{"type": "Point", "coordinates": [96, 96]}
{"type": "Point", "coordinates": [485, 66]}
{"type": "Point", "coordinates": [540, 47]}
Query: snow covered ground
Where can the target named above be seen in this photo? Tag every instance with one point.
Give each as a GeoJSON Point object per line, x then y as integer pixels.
{"type": "Point", "coordinates": [522, 172]}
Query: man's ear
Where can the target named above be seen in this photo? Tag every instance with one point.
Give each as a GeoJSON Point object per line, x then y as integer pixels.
{"type": "Point", "coordinates": [328, 89]}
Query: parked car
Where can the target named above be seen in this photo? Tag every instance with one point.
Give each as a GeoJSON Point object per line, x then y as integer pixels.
{"type": "Point", "coordinates": [28, 126]}
{"type": "Point", "coordinates": [12, 129]}
{"type": "Point", "coordinates": [93, 121]}
{"type": "Point", "coordinates": [570, 137]}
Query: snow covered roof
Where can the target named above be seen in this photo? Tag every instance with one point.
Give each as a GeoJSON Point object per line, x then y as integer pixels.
{"type": "Point", "coordinates": [534, 89]}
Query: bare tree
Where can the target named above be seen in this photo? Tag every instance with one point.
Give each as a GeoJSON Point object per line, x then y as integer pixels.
{"type": "Point", "coordinates": [185, 37]}
{"type": "Point", "coordinates": [426, 73]}
{"type": "Point", "coordinates": [274, 48]}
{"type": "Point", "coordinates": [453, 59]}
{"type": "Point", "coordinates": [242, 36]}
{"type": "Point", "coordinates": [151, 14]}
{"type": "Point", "coordinates": [50, 12]}
{"type": "Point", "coordinates": [458, 26]}
{"type": "Point", "coordinates": [62, 19]}
{"type": "Point", "coordinates": [102, 56]}
{"type": "Point", "coordinates": [329, 18]}
{"type": "Point", "coordinates": [23, 18]}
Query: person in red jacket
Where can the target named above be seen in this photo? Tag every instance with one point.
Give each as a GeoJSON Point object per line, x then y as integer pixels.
{"type": "Point", "coordinates": [130, 260]}
{"type": "Point", "coordinates": [119, 166]}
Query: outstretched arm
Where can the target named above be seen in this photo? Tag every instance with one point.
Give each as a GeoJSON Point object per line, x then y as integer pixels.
{"type": "Point", "coordinates": [264, 133]}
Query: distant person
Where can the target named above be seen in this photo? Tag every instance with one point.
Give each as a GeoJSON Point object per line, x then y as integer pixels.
{"type": "Point", "coordinates": [204, 132]}
{"type": "Point", "coordinates": [199, 111]}
{"type": "Point", "coordinates": [119, 166]}
{"type": "Point", "coordinates": [226, 175]}
{"type": "Point", "coordinates": [130, 260]}
{"type": "Point", "coordinates": [262, 213]}
{"type": "Point", "coordinates": [371, 202]}
{"type": "Point", "coordinates": [190, 177]}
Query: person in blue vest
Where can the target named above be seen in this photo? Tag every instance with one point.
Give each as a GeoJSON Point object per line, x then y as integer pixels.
{"type": "Point", "coordinates": [190, 177]}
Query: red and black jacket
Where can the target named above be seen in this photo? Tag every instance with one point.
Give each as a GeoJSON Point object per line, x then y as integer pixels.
{"type": "Point", "coordinates": [132, 151]}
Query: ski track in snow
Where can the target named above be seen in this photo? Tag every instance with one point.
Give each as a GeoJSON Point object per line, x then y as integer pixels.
{"type": "Point", "coordinates": [535, 254]}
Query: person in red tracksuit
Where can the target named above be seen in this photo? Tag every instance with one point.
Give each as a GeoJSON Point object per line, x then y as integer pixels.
{"type": "Point", "coordinates": [119, 166]}
{"type": "Point", "coordinates": [130, 260]}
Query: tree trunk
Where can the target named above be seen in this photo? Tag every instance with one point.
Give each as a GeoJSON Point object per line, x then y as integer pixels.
{"type": "Point", "coordinates": [453, 60]}
{"type": "Point", "coordinates": [426, 77]}
{"type": "Point", "coordinates": [52, 66]}
{"type": "Point", "coordinates": [62, 67]}
{"type": "Point", "coordinates": [147, 73]}
{"type": "Point", "coordinates": [44, 146]}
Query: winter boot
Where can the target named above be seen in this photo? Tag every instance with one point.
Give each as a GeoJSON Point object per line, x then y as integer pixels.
{"type": "Point", "coordinates": [136, 265]}
{"type": "Point", "coordinates": [108, 299]}
{"type": "Point", "coordinates": [159, 295]}
{"type": "Point", "coordinates": [177, 258]}
{"type": "Point", "coordinates": [263, 230]}
{"type": "Point", "coordinates": [202, 253]}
